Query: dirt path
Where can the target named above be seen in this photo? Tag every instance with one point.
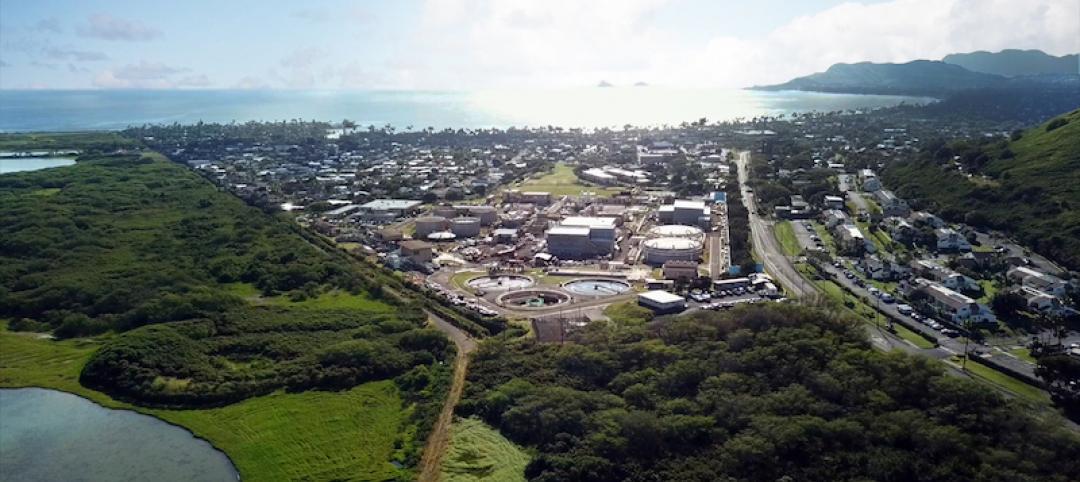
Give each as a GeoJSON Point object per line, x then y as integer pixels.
{"type": "Point", "coordinates": [439, 440]}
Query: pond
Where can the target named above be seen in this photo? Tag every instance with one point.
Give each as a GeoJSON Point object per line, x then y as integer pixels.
{"type": "Point", "coordinates": [18, 164]}
{"type": "Point", "coordinates": [52, 435]}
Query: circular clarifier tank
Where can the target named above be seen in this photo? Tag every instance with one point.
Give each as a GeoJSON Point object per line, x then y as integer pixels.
{"type": "Point", "coordinates": [531, 299]}
{"type": "Point", "coordinates": [596, 287]}
{"type": "Point", "coordinates": [500, 282]}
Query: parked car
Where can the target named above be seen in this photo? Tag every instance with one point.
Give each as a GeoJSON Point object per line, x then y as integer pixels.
{"type": "Point", "coordinates": [905, 310]}
{"type": "Point", "coordinates": [887, 298]}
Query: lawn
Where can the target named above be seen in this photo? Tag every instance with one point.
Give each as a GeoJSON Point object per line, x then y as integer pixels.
{"type": "Point", "coordinates": [868, 314]}
{"type": "Point", "coordinates": [1016, 386]}
{"type": "Point", "coordinates": [989, 289]}
{"type": "Point", "coordinates": [628, 313]}
{"type": "Point", "coordinates": [785, 233]}
{"type": "Point", "coordinates": [322, 435]}
{"type": "Point", "coordinates": [1024, 354]}
{"type": "Point", "coordinates": [562, 181]}
{"type": "Point", "coordinates": [479, 452]}
{"type": "Point", "coordinates": [330, 300]}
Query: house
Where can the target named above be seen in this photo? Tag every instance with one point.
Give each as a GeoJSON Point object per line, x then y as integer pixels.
{"type": "Point", "coordinates": [947, 277]}
{"type": "Point", "coordinates": [956, 307]}
{"type": "Point", "coordinates": [882, 270]}
{"type": "Point", "coordinates": [891, 205]}
{"type": "Point", "coordinates": [676, 269]}
{"type": "Point", "coordinates": [834, 217]}
{"type": "Point", "coordinates": [850, 240]}
{"type": "Point", "coordinates": [1039, 301]}
{"type": "Point", "coordinates": [925, 219]}
{"type": "Point", "coordinates": [951, 241]}
{"type": "Point", "coordinates": [899, 229]}
{"type": "Point", "coordinates": [869, 180]}
{"type": "Point", "coordinates": [834, 202]}
{"type": "Point", "coordinates": [1037, 280]}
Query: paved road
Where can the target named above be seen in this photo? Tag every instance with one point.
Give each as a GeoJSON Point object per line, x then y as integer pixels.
{"type": "Point", "coordinates": [765, 244]}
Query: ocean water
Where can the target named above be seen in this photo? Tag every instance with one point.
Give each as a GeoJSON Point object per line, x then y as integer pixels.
{"type": "Point", "coordinates": [46, 435]}
{"type": "Point", "coordinates": [22, 111]}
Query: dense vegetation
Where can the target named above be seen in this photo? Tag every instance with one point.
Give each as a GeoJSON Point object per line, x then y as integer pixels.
{"type": "Point", "coordinates": [761, 393]}
{"type": "Point", "coordinates": [117, 242]}
{"type": "Point", "coordinates": [207, 301]}
{"type": "Point", "coordinates": [1027, 186]}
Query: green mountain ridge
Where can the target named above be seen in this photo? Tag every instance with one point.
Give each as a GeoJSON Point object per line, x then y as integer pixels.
{"type": "Point", "coordinates": [1027, 186]}
{"type": "Point", "coordinates": [1015, 62]}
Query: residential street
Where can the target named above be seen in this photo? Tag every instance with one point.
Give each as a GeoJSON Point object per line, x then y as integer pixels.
{"type": "Point", "coordinates": [765, 244]}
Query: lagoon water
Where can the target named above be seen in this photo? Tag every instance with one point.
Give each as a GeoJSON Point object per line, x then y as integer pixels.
{"type": "Point", "coordinates": [17, 164]}
{"type": "Point", "coordinates": [47, 435]}
{"type": "Point", "coordinates": [591, 107]}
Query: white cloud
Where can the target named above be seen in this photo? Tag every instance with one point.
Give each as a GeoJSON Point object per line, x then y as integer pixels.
{"type": "Point", "coordinates": [74, 54]}
{"type": "Point", "coordinates": [107, 27]}
{"type": "Point", "coordinates": [470, 43]}
{"type": "Point", "coordinates": [149, 75]}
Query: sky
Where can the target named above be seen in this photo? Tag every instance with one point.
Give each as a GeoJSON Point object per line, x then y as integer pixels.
{"type": "Point", "coordinates": [495, 44]}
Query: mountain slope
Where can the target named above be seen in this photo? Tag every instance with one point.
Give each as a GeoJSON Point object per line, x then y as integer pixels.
{"type": "Point", "coordinates": [1013, 62]}
{"type": "Point", "coordinates": [920, 77]}
{"type": "Point", "coordinates": [1028, 186]}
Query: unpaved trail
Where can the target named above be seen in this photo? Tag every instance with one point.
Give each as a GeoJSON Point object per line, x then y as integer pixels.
{"type": "Point", "coordinates": [439, 440]}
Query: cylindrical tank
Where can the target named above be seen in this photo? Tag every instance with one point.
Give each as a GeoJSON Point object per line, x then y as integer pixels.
{"type": "Point", "coordinates": [465, 226]}
{"type": "Point", "coordinates": [487, 214]}
{"type": "Point", "coordinates": [660, 250]}
{"type": "Point", "coordinates": [444, 211]}
{"type": "Point", "coordinates": [426, 225]}
{"type": "Point", "coordinates": [676, 231]}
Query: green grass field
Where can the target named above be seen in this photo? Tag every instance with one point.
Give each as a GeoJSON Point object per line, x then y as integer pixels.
{"type": "Point", "coordinates": [629, 313]}
{"type": "Point", "coordinates": [315, 435]}
{"type": "Point", "coordinates": [331, 300]}
{"type": "Point", "coordinates": [785, 233]}
{"type": "Point", "coordinates": [479, 452]}
{"type": "Point", "coordinates": [562, 182]}
{"type": "Point", "coordinates": [1020, 388]}
{"type": "Point", "coordinates": [1024, 354]}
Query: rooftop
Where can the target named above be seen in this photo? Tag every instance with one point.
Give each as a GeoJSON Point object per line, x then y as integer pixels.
{"type": "Point", "coordinates": [569, 230]}
{"type": "Point", "coordinates": [390, 204]}
{"type": "Point", "coordinates": [662, 297]}
{"type": "Point", "coordinates": [589, 221]}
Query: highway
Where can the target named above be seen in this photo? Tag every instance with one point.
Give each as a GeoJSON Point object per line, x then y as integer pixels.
{"type": "Point", "coordinates": [765, 244]}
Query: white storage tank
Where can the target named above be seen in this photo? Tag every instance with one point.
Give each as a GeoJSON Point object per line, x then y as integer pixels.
{"type": "Point", "coordinates": [426, 225]}
{"type": "Point", "coordinates": [661, 250]}
{"type": "Point", "coordinates": [676, 231]}
{"type": "Point", "coordinates": [465, 226]}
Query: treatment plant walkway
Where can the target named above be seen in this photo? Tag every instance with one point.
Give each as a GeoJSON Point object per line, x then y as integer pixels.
{"type": "Point", "coordinates": [439, 440]}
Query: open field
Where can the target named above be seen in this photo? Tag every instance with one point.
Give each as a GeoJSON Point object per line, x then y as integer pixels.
{"type": "Point", "coordinates": [785, 233]}
{"type": "Point", "coordinates": [562, 182]}
{"type": "Point", "coordinates": [479, 452]}
{"type": "Point", "coordinates": [348, 435]}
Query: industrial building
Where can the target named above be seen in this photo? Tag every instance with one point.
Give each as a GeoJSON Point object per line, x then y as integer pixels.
{"type": "Point", "coordinates": [582, 237]}
{"type": "Point", "coordinates": [662, 301]}
{"type": "Point", "coordinates": [686, 212]}
{"type": "Point", "coordinates": [386, 210]}
{"type": "Point", "coordinates": [418, 252]}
